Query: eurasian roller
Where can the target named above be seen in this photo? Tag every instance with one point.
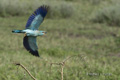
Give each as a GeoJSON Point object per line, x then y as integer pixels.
{"type": "Point", "coordinates": [31, 30]}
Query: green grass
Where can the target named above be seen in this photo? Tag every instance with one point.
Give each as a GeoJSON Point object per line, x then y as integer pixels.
{"type": "Point", "coordinates": [96, 44]}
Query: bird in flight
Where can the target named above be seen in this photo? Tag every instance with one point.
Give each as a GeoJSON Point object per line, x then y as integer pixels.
{"type": "Point", "coordinates": [31, 30]}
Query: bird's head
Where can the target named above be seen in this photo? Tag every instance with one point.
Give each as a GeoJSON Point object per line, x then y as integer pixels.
{"type": "Point", "coordinates": [41, 33]}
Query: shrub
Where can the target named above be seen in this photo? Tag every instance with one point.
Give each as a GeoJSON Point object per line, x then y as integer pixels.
{"type": "Point", "coordinates": [66, 10]}
{"type": "Point", "coordinates": [109, 15]}
{"type": "Point", "coordinates": [20, 7]}
{"type": "Point", "coordinates": [13, 8]}
{"type": "Point", "coordinates": [62, 10]}
{"type": "Point", "coordinates": [70, 0]}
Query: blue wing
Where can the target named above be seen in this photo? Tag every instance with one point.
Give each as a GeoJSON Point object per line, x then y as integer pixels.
{"type": "Point", "coordinates": [37, 18]}
{"type": "Point", "coordinates": [30, 45]}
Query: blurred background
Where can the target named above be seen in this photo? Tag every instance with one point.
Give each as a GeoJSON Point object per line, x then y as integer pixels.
{"type": "Point", "coordinates": [87, 28]}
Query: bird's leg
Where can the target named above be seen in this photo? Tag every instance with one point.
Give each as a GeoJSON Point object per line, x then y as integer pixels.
{"type": "Point", "coordinates": [25, 34]}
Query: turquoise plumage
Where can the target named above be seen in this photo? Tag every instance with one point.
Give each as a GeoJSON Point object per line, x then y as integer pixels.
{"type": "Point", "coordinates": [31, 30]}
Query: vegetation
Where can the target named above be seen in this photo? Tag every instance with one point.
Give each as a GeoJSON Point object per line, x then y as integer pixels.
{"type": "Point", "coordinates": [74, 30]}
{"type": "Point", "coordinates": [108, 14]}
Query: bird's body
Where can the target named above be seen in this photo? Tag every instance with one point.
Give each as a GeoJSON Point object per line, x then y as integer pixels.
{"type": "Point", "coordinates": [31, 30]}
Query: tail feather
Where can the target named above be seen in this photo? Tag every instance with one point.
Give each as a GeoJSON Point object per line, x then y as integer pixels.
{"type": "Point", "coordinates": [17, 31]}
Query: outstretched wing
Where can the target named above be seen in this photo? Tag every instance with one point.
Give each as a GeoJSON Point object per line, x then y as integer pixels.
{"type": "Point", "coordinates": [37, 18]}
{"type": "Point", "coordinates": [30, 44]}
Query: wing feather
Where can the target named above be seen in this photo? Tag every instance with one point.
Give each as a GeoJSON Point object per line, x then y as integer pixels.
{"type": "Point", "coordinates": [37, 18]}
{"type": "Point", "coordinates": [30, 44]}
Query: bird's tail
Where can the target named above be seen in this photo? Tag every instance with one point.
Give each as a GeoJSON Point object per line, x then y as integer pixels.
{"type": "Point", "coordinates": [17, 31]}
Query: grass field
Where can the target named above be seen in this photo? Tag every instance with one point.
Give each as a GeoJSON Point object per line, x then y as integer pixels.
{"type": "Point", "coordinates": [73, 31]}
